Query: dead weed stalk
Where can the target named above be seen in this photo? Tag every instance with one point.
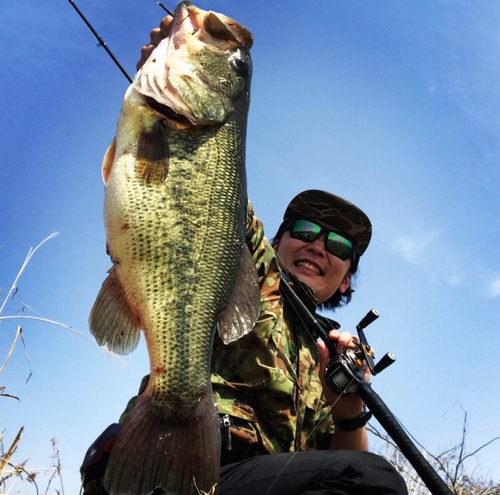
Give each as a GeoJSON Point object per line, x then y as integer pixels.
{"type": "Point", "coordinates": [450, 465]}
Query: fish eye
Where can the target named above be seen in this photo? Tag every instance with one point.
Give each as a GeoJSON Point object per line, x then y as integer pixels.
{"type": "Point", "coordinates": [241, 65]}
{"type": "Point", "coordinates": [241, 62]}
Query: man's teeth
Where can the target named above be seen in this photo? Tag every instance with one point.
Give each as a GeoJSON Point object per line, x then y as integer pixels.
{"type": "Point", "coordinates": [309, 266]}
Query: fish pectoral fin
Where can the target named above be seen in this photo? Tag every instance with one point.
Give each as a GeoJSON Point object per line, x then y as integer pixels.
{"type": "Point", "coordinates": [153, 153]}
{"type": "Point", "coordinates": [107, 161]}
{"type": "Point", "coordinates": [111, 320]}
{"type": "Point", "coordinates": [243, 308]}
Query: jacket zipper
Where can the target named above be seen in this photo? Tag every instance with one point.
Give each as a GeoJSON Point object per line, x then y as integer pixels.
{"type": "Point", "coordinates": [226, 423]}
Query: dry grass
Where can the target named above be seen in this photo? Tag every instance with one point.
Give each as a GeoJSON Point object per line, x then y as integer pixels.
{"type": "Point", "coordinates": [450, 465]}
{"type": "Point", "coordinates": [14, 472]}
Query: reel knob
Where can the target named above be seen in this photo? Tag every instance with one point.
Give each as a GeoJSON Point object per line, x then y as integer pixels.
{"type": "Point", "coordinates": [385, 362]}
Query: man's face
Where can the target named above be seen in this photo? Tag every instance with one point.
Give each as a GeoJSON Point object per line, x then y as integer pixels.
{"type": "Point", "coordinates": [312, 264]}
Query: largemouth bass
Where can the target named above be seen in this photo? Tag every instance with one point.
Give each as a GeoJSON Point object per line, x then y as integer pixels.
{"type": "Point", "coordinates": [175, 212]}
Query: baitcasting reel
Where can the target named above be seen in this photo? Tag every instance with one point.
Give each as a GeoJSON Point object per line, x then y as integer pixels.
{"type": "Point", "coordinates": [346, 371]}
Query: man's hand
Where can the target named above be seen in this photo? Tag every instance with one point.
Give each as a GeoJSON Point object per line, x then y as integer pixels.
{"type": "Point", "coordinates": [156, 36]}
{"type": "Point", "coordinates": [348, 406]}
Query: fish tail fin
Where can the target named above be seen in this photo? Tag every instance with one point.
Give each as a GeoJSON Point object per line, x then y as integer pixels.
{"type": "Point", "coordinates": [177, 451]}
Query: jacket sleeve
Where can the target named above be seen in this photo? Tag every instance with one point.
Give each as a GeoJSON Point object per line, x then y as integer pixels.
{"type": "Point", "coordinates": [261, 250]}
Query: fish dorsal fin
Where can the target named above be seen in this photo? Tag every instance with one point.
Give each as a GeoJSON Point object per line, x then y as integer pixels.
{"type": "Point", "coordinates": [111, 320]}
{"type": "Point", "coordinates": [107, 161]}
{"type": "Point", "coordinates": [243, 308]}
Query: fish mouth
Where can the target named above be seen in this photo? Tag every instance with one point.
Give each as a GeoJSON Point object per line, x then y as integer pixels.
{"type": "Point", "coordinates": [173, 119]}
{"type": "Point", "coordinates": [309, 265]}
{"type": "Point", "coordinates": [176, 80]}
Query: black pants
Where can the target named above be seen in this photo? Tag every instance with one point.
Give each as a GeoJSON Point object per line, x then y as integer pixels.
{"type": "Point", "coordinates": [325, 472]}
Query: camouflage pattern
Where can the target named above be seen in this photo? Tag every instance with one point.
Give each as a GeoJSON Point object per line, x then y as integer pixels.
{"type": "Point", "coordinates": [267, 383]}
{"type": "Point", "coordinates": [335, 211]}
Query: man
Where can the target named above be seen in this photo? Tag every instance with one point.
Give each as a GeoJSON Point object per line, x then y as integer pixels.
{"type": "Point", "coordinates": [269, 385]}
{"type": "Point", "coordinates": [281, 340]}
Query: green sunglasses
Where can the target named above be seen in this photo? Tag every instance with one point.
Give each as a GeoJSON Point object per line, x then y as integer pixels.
{"type": "Point", "coordinates": [335, 243]}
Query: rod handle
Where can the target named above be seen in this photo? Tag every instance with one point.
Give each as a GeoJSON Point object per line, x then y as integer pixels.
{"type": "Point", "coordinates": [376, 405]}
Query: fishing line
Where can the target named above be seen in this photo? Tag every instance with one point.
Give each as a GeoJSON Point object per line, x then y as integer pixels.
{"type": "Point", "coordinates": [305, 441]}
{"type": "Point", "coordinates": [312, 336]}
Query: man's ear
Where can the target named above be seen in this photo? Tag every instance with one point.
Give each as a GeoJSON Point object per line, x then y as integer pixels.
{"type": "Point", "coordinates": [346, 282]}
{"type": "Point", "coordinates": [275, 244]}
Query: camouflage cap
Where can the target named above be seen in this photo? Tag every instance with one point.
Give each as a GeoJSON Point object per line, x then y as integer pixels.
{"type": "Point", "coordinates": [335, 211]}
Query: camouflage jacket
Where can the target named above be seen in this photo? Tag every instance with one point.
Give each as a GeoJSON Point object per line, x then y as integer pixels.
{"type": "Point", "coordinates": [266, 384]}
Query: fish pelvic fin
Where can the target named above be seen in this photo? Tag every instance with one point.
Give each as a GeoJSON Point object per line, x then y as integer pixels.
{"type": "Point", "coordinates": [111, 320]}
{"type": "Point", "coordinates": [177, 451]}
{"type": "Point", "coordinates": [107, 161]}
{"type": "Point", "coordinates": [242, 310]}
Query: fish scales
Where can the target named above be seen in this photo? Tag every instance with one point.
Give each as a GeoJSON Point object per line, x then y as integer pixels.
{"type": "Point", "coordinates": [189, 235]}
{"type": "Point", "coordinates": [175, 211]}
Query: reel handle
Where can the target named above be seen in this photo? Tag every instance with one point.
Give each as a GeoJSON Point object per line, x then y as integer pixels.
{"type": "Point", "coordinates": [385, 362]}
{"type": "Point", "coordinates": [370, 317]}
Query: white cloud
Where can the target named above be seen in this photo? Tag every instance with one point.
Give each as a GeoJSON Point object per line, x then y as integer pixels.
{"type": "Point", "coordinates": [425, 250]}
{"type": "Point", "coordinates": [414, 249]}
{"type": "Point", "coordinates": [494, 288]}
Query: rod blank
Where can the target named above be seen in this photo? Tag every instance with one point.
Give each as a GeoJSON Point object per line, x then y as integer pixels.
{"type": "Point", "coordinates": [100, 40]}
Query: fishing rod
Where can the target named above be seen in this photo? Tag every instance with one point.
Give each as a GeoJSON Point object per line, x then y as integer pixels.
{"type": "Point", "coordinates": [345, 375]}
{"type": "Point", "coordinates": [101, 42]}
{"type": "Point", "coordinates": [164, 8]}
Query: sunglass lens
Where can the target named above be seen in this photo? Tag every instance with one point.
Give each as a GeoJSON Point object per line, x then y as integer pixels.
{"type": "Point", "coordinates": [338, 245]}
{"type": "Point", "coordinates": [305, 231]}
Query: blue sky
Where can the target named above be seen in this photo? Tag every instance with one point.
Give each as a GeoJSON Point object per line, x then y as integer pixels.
{"type": "Point", "coordinates": [392, 105]}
